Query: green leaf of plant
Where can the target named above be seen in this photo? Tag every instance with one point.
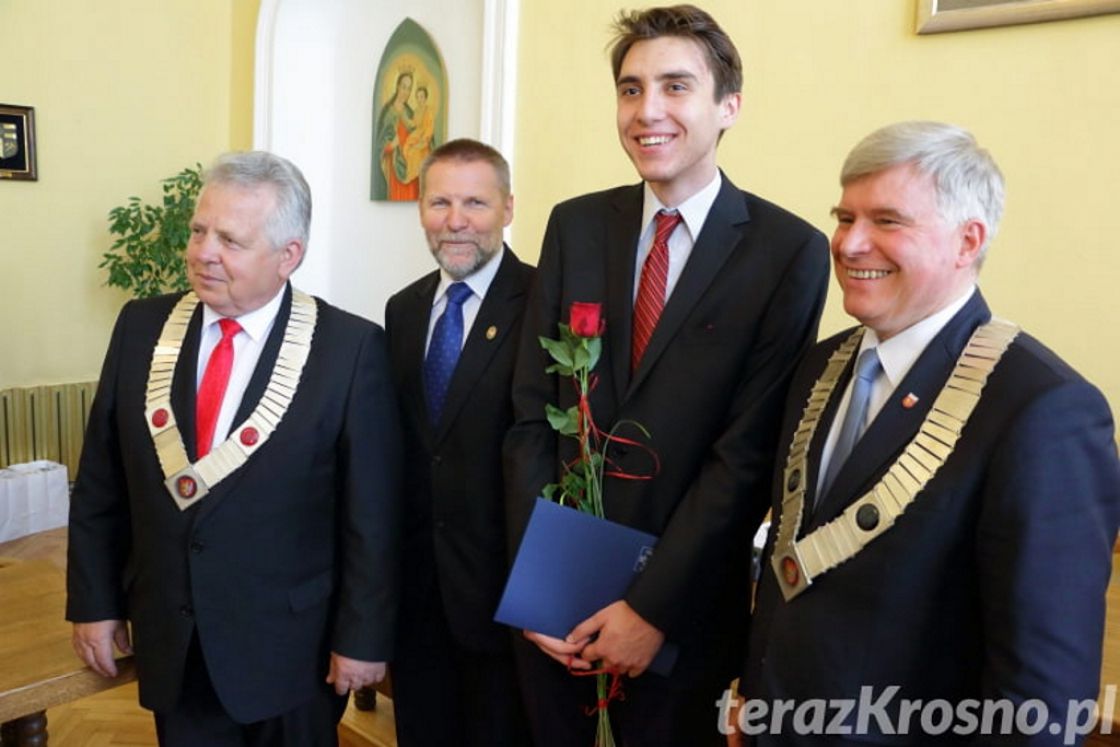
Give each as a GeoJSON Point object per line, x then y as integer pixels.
{"type": "Point", "coordinates": [573, 484]}
{"type": "Point", "coordinates": [146, 258]}
{"type": "Point", "coordinates": [560, 352]}
{"type": "Point", "coordinates": [594, 351]}
{"type": "Point", "coordinates": [565, 422]}
{"type": "Point", "coordinates": [562, 370]}
{"type": "Point", "coordinates": [581, 358]}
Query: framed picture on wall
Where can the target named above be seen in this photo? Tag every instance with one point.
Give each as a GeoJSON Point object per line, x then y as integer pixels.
{"type": "Point", "coordinates": [409, 112]}
{"type": "Point", "coordinates": [935, 16]}
{"type": "Point", "coordinates": [17, 143]}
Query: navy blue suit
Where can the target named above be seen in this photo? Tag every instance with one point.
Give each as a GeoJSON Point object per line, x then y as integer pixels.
{"type": "Point", "coordinates": [990, 585]}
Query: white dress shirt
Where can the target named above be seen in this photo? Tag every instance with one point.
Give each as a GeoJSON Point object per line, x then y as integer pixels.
{"type": "Point", "coordinates": [897, 356]}
{"type": "Point", "coordinates": [694, 211]}
{"type": "Point", "coordinates": [247, 347]}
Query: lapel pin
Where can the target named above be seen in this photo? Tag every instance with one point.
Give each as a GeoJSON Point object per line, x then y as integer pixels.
{"type": "Point", "coordinates": [909, 400]}
{"type": "Point", "coordinates": [491, 332]}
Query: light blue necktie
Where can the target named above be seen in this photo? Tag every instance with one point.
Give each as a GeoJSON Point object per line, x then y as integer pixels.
{"type": "Point", "coordinates": [444, 349]}
{"type": "Point", "coordinates": [867, 370]}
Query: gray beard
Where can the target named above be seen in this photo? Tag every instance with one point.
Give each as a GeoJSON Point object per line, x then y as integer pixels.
{"type": "Point", "coordinates": [481, 257]}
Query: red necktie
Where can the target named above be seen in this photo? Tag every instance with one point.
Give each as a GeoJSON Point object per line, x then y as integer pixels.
{"type": "Point", "coordinates": [651, 287]}
{"type": "Point", "coordinates": [213, 387]}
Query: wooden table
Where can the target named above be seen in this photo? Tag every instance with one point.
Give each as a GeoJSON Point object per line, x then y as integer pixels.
{"type": "Point", "coordinates": [38, 668]}
{"type": "Point", "coordinates": [1110, 661]}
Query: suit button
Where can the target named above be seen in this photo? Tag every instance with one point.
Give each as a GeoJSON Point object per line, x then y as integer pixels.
{"type": "Point", "coordinates": [186, 610]}
{"type": "Point", "coordinates": [441, 524]}
{"type": "Point", "coordinates": [437, 460]}
{"type": "Point", "coordinates": [196, 547]}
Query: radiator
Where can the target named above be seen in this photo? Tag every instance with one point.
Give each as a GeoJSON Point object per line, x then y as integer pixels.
{"type": "Point", "coordinates": [44, 422]}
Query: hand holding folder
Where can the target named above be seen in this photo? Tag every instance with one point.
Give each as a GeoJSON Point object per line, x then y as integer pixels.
{"type": "Point", "coordinates": [571, 565]}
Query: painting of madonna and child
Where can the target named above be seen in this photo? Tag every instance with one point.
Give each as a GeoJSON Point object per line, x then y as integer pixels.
{"type": "Point", "coordinates": [409, 112]}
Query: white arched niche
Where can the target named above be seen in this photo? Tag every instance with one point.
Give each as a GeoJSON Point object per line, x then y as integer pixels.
{"type": "Point", "coordinates": [315, 68]}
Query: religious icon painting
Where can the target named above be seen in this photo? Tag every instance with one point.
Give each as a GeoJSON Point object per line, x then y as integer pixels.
{"type": "Point", "coordinates": [410, 98]}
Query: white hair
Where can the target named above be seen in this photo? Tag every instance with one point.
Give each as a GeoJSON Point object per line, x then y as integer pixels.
{"type": "Point", "coordinates": [969, 184]}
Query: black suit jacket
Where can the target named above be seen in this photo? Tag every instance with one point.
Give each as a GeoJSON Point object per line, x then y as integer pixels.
{"type": "Point", "coordinates": [991, 584]}
{"type": "Point", "coordinates": [292, 556]}
{"type": "Point", "coordinates": [455, 536]}
{"type": "Point", "coordinates": [709, 390]}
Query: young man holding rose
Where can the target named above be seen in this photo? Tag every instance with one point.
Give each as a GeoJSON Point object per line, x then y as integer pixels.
{"type": "Point", "coordinates": [706, 315]}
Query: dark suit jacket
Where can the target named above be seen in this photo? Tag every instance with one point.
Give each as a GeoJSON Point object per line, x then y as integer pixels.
{"type": "Point", "coordinates": [455, 537]}
{"type": "Point", "coordinates": [292, 556]}
{"type": "Point", "coordinates": [709, 390]}
{"type": "Point", "coordinates": [992, 583]}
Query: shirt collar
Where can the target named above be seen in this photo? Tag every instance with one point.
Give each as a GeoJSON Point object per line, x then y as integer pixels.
{"type": "Point", "coordinates": [694, 210]}
{"type": "Point", "coordinates": [256, 323]}
{"type": "Point", "coordinates": [479, 281]}
{"type": "Point", "coordinates": [899, 353]}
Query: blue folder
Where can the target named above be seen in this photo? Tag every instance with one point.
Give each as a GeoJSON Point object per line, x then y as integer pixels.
{"type": "Point", "coordinates": [571, 565]}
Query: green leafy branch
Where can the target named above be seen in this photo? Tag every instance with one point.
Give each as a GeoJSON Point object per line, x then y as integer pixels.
{"type": "Point", "coordinates": [148, 257]}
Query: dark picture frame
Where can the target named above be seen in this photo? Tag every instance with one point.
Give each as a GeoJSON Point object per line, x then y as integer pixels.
{"type": "Point", "coordinates": [17, 143]}
{"type": "Point", "coordinates": [935, 16]}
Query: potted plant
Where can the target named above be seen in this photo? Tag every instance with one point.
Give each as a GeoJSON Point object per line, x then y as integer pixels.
{"type": "Point", "coordinates": [147, 257]}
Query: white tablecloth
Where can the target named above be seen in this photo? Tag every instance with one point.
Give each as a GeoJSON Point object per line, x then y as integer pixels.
{"type": "Point", "coordinates": [34, 497]}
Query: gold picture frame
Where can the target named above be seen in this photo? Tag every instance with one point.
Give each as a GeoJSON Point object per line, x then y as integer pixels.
{"type": "Point", "coordinates": [936, 16]}
{"type": "Point", "coordinates": [17, 143]}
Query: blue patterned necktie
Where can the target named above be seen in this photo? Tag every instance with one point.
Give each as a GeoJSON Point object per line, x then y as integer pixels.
{"type": "Point", "coordinates": [867, 370]}
{"type": "Point", "coordinates": [444, 349]}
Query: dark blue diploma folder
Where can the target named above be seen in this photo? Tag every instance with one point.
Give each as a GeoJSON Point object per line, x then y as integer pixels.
{"type": "Point", "coordinates": [571, 565]}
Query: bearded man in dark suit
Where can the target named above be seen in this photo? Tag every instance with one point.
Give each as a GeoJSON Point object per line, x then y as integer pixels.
{"type": "Point", "coordinates": [950, 492]}
{"type": "Point", "coordinates": [452, 341]}
{"type": "Point", "coordinates": [710, 296]}
{"type": "Point", "coordinates": [236, 503]}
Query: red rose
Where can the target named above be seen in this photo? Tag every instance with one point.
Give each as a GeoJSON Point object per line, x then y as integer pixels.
{"type": "Point", "coordinates": [586, 319]}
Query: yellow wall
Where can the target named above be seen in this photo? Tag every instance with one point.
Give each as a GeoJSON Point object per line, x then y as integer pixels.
{"type": "Point", "coordinates": [126, 92]}
{"type": "Point", "coordinates": [1045, 99]}
{"type": "Point", "coordinates": [130, 91]}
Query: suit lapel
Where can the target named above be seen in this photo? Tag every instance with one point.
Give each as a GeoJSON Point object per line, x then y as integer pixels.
{"type": "Point", "coordinates": [896, 425]}
{"type": "Point", "coordinates": [813, 502]}
{"type": "Point", "coordinates": [620, 254]}
{"type": "Point", "coordinates": [718, 239]}
{"type": "Point", "coordinates": [496, 317]}
{"type": "Point", "coordinates": [263, 372]}
{"type": "Point", "coordinates": [415, 319]}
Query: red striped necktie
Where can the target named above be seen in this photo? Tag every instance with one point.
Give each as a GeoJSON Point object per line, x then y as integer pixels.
{"type": "Point", "coordinates": [213, 387]}
{"type": "Point", "coordinates": [651, 287]}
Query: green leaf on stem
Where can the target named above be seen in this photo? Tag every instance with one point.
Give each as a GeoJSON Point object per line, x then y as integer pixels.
{"type": "Point", "coordinates": [560, 352]}
{"type": "Point", "coordinates": [594, 350]}
{"type": "Point", "coordinates": [566, 422]}
{"type": "Point", "coordinates": [565, 371]}
{"type": "Point", "coordinates": [581, 358]}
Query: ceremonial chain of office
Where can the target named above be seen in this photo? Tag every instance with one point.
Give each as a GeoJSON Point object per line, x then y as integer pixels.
{"type": "Point", "coordinates": [798, 562]}
{"type": "Point", "coordinates": [187, 482]}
